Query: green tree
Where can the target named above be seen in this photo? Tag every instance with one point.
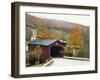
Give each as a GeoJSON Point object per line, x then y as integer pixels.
{"type": "Point", "coordinates": [67, 51]}
{"type": "Point", "coordinates": [85, 45]}
{"type": "Point", "coordinates": [29, 33]}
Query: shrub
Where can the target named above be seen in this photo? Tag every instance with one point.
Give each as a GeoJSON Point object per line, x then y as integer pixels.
{"type": "Point", "coordinates": [68, 51]}
{"type": "Point", "coordinates": [68, 54]}
{"type": "Point", "coordinates": [83, 53]}
{"type": "Point", "coordinates": [30, 60]}
{"type": "Point", "coordinates": [32, 57]}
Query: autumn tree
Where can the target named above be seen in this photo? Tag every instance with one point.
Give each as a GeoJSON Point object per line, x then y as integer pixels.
{"type": "Point", "coordinates": [75, 38]}
{"type": "Point", "coordinates": [42, 33]}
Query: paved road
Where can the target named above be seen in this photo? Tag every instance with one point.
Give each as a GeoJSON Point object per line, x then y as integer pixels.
{"type": "Point", "coordinates": [68, 62]}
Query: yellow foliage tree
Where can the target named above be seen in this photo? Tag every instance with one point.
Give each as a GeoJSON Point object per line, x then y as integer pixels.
{"type": "Point", "coordinates": [75, 39]}
{"type": "Point", "coordinates": [75, 36]}
{"type": "Point", "coordinates": [42, 33]}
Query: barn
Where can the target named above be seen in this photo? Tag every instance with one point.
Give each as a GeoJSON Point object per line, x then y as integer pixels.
{"type": "Point", "coordinates": [50, 48]}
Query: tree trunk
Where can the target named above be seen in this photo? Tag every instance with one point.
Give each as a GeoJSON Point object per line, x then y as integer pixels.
{"type": "Point", "coordinates": [75, 53]}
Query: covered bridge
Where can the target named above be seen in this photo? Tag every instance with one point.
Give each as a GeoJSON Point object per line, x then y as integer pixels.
{"type": "Point", "coordinates": [50, 48]}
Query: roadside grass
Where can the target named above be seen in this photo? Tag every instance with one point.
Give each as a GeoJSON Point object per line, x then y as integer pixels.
{"type": "Point", "coordinates": [45, 64]}
{"type": "Point", "coordinates": [37, 65]}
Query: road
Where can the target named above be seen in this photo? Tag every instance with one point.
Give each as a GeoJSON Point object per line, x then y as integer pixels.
{"type": "Point", "coordinates": [68, 62]}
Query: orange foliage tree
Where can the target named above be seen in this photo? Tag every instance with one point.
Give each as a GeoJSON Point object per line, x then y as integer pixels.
{"type": "Point", "coordinates": [42, 33]}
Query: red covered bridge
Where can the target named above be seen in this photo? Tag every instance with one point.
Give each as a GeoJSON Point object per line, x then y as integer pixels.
{"type": "Point", "coordinates": [50, 48]}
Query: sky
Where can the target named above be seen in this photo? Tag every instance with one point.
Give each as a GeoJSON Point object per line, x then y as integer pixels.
{"type": "Point", "coordinates": [74, 18]}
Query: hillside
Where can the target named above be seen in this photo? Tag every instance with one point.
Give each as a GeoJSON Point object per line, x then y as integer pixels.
{"type": "Point", "coordinates": [52, 23]}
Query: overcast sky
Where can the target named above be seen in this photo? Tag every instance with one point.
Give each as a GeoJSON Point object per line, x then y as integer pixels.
{"type": "Point", "coordinates": [80, 19]}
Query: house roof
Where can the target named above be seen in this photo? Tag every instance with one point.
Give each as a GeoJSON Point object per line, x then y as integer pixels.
{"type": "Point", "coordinates": [44, 42]}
